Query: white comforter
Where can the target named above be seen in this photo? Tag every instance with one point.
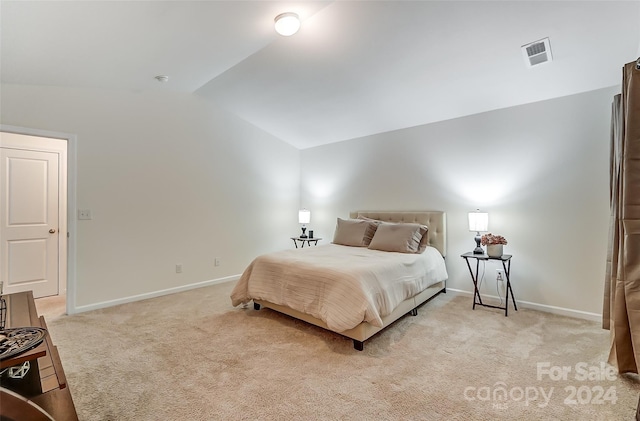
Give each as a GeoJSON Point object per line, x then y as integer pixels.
{"type": "Point", "coordinates": [339, 285]}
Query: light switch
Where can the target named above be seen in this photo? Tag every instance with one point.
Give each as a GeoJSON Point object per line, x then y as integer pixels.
{"type": "Point", "coordinates": [84, 214]}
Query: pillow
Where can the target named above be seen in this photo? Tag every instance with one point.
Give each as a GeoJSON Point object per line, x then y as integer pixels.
{"type": "Point", "coordinates": [424, 241]}
{"type": "Point", "coordinates": [351, 232]}
{"type": "Point", "coordinates": [371, 229]}
{"type": "Point", "coordinates": [402, 238]}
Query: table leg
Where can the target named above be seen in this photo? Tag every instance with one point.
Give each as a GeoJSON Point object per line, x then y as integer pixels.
{"type": "Point", "coordinates": [476, 282]}
{"type": "Point", "coordinates": [506, 298]}
{"type": "Point", "coordinates": [507, 273]}
{"type": "Point", "coordinates": [474, 278]}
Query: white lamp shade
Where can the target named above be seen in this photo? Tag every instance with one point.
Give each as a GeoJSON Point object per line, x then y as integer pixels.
{"type": "Point", "coordinates": [304, 216]}
{"type": "Point", "coordinates": [287, 24]}
{"type": "Point", "coordinates": [478, 221]}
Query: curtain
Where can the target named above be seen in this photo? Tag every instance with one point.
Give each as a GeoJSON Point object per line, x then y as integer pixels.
{"type": "Point", "coordinates": [621, 312]}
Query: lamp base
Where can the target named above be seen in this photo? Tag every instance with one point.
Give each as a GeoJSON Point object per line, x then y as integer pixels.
{"type": "Point", "coordinates": [303, 235]}
{"type": "Point", "coordinates": [478, 249]}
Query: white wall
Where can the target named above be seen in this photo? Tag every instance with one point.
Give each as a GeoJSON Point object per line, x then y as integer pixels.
{"type": "Point", "coordinates": [540, 170]}
{"type": "Point", "coordinates": [169, 178]}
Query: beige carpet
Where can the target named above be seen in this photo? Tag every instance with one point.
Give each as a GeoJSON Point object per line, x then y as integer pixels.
{"type": "Point", "coordinates": [191, 356]}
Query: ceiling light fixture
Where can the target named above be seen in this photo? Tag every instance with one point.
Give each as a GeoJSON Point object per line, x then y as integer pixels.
{"type": "Point", "coordinates": [287, 24]}
{"type": "Point", "coordinates": [162, 78]}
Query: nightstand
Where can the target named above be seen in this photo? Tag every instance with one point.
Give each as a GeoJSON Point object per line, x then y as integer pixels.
{"type": "Point", "coordinates": [308, 240]}
{"type": "Point", "coordinates": [506, 265]}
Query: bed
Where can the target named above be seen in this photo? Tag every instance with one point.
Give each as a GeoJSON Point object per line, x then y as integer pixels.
{"type": "Point", "coordinates": [353, 291]}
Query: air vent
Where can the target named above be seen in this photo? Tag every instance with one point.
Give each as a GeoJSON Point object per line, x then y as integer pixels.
{"type": "Point", "coordinates": [537, 52]}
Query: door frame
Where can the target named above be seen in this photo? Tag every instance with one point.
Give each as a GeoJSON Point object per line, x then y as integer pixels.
{"type": "Point", "coordinates": [66, 283]}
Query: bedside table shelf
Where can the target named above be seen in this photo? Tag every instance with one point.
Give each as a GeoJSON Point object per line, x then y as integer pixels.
{"type": "Point", "coordinates": [506, 265]}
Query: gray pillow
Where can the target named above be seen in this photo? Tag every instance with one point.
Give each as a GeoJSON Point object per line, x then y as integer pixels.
{"type": "Point", "coordinates": [424, 241]}
{"type": "Point", "coordinates": [351, 232]}
{"type": "Point", "coordinates": [402, 238]}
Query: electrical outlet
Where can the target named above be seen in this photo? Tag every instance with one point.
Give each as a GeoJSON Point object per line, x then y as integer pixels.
{"type": "Point", "coordinates": [84, 214]}
{"type": "Point", "coordinates": [216, 261]}
{"type": "Point", "coordinates": [178, 268]}
{"type": "Point", "coordinates": [500, 276]}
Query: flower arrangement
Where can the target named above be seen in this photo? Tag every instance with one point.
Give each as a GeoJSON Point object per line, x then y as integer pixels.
{"type": "Point", "coordinates": [491, 240]}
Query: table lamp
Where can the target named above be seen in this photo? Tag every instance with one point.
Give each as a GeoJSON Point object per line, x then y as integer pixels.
{"type": "Point", "coordinates": [478, 222]}
{"type": "Point", "coordinates": [304, 217]}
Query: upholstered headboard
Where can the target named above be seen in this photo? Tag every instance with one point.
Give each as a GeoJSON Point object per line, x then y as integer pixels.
{"type": "Point", "coordinates": [435, 220]}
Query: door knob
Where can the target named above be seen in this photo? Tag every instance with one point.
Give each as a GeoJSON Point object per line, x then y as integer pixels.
{"type": "Point", "coordinates": [52, 231]}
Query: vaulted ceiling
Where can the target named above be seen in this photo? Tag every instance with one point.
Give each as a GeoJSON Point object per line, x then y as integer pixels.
{"type": "Point", "coordinates": [355, 68]}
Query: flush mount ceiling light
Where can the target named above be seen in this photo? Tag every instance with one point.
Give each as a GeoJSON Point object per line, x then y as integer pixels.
{"type": "Point", "coordinates": [287, 24]}
{"type": "Point", "coordinates": [162, 78]}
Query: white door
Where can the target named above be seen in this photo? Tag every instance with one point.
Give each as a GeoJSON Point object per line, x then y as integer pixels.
{"type": "Point", "coordinates": [29, 247]}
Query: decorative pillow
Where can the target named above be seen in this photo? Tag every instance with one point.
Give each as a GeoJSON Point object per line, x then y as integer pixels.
{"type": "Point", "coordinates": [424, 241]}
{"type": "Point", "coordinates": [351, 232]}
{"type": "Point", "coordinates": [371, 229]}
{"type": "Point", "coordinates": [402, 238]}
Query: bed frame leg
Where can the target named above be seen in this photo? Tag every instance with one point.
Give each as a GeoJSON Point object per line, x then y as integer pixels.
{"type": "Point", "coordinates": [256, 306]}
{"type": "Point", "coordinates": [359, 346]}
{"type": "Point", "coordinates": [414, 312]}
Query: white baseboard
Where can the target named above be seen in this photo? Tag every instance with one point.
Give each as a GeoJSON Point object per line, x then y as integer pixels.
{"type": "Point", "coordinates": [525, 304]}
{"type": "Point", "coordinates": [595, 317]}
{"type": "Point", "coordinates": [111, 303]}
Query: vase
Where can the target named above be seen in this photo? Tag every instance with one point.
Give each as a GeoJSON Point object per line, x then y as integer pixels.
{"type": "Point", "coordinates": [494, 250]}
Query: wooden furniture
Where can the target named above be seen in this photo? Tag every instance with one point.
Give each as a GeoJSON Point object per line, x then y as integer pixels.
{"type": "Point", "coordinates": [506, 265]}
{"type": "Point", "coordinates": [307, 239]}
{"type": "Point", "coordinates": [45, 385]}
